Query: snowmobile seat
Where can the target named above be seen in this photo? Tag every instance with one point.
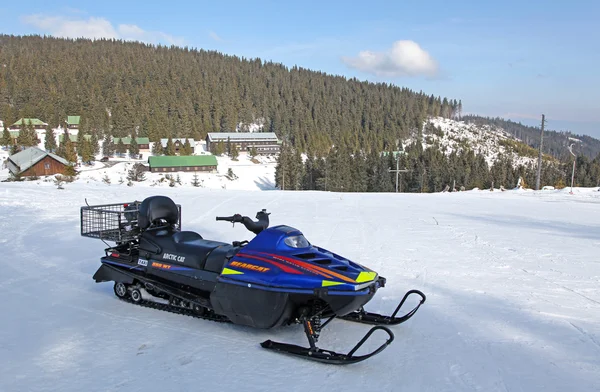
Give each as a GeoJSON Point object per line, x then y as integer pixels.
{"type": "Point", "coordinates": [190, 246]}
{"type": "Point", "coordinates": [186, 236]}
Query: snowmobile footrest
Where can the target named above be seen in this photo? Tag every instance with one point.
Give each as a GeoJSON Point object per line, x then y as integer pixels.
{"type": "Point", "coordinates": [326, 356]}
{"type": "Point", "coordinates": [377, 319]}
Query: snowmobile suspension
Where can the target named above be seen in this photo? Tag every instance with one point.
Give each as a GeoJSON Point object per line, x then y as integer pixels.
{"type": "Point", "coordinates": [312, 328]}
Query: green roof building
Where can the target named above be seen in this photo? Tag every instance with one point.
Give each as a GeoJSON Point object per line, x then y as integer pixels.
{"type": "Point", "coordinates": [36, 122]}
{"type": "Point", "coordinates": [73, 121]}
{"type": "Point", "coordinates": [184, 163]}
{"type": "Point", "coordinates": [142, 142]}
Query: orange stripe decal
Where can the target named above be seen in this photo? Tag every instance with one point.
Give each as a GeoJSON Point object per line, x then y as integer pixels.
{"type": "Point", "coordinates": [319, 270]}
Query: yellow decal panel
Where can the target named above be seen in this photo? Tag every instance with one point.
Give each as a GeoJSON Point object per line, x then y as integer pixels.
{"type": "Point", "coordinates": [227, 271]}
{"type": "Point", "coordinates": [366, 277]}
{"type": "Point", "coordinates": [327, 283]}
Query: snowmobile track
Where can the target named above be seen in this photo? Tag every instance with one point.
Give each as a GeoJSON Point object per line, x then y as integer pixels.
{"type": "Point", "coordinates": [175, 309]}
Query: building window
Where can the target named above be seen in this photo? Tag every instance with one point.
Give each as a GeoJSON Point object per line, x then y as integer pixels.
{"type": "Point", "coordinates": [46, 166]}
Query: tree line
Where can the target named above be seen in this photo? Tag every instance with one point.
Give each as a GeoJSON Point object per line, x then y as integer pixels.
{"type": "Point", "coordinates": [158, 91]}
{"type": "Point", "coordinates": [429, 170]}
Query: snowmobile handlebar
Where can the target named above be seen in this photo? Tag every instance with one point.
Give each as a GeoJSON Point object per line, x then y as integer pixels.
{"type": "Point", "coordinates": [253, 226]}
{"type": "Point", "coordinates": [237, 218]}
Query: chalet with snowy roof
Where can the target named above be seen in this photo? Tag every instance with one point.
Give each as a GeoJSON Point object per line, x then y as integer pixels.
{"type": "Point", "coordinates": [178, 144]}
{"type": "Point", "coordinates": [73, 122]}
{"type": "Point", "coordinates": [183, 163]}
{"type": "Point", "coordinates": [263, 142]}
{"type": "Point", "coordinates": [37, 123]}
{"type": "Point", "coordinates": [142, 142]}
{"type": "Point", "coordinates": [36, 162]}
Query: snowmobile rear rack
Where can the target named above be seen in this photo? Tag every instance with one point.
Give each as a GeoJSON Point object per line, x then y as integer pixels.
{"type": "Point", "coordinates": [114, 222]}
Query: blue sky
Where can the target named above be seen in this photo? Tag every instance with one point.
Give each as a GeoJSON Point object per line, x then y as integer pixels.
{"type": "Point", "coordinates": [513, 59]}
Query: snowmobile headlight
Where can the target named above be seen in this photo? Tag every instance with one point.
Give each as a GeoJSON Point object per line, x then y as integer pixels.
{"type": "Point", "coordinates": [296, 241]}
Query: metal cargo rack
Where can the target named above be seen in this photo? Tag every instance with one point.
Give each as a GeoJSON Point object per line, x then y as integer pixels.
{"type": "Point", "coordinates": [114, 222]}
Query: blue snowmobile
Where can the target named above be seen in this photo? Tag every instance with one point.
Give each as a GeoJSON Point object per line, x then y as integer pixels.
{"type": "Point", "coordinates": [278, 278]}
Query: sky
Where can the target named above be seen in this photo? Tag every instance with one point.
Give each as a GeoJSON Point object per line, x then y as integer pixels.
{"type": "Point", "coordinates": [512, 59]}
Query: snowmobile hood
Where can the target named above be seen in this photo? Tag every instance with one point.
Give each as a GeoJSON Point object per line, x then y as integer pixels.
{"type": "Point", "coordinates": [281, 256]}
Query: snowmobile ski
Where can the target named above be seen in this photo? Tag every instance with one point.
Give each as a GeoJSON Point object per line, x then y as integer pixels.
{"type": "Point", "coordinates": [315, 353]}
{"type": "Point", "coordinates": [360, 316]}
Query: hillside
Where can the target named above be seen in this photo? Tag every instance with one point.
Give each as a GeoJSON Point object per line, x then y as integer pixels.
{"type": "Point", "coordinates": [511, 278]}
{"type": "Point", "coordinates": [118, 87]}
{"type": "Point", "coordinates": [555, 142]}
{"type": "Point", "coordinates": [493, 142]}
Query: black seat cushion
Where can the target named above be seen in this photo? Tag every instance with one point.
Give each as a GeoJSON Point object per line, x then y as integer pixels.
{"type": "Point", "coordinates": [186, 236]}
{"type": "Point", "coordinates": [187, 246]}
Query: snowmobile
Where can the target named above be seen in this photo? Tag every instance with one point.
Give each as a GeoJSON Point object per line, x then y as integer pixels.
{"type": "Point", "coordinates": [278, 278]}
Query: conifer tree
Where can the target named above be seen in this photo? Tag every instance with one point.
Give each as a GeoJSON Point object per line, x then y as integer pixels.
{"type": "Point", "coordinates": [95, 142]}
{"type": "Point", "coordinates": [120, 148]}
{"type": "Point", "coordinates": [157, 148]}
{"type": "Point", "coordinates": [50, 140]}
{"type": "Point", "coordinates": [14, 148]}
{"type": "Point", "coordinates": [187, 148]}
{"type": "Point", "coordinates": [134, 149]}
{"type": "Point", "coordinates": [195, 180]}
{"type": "Point", "coordinates": [233, 153]}
{"type": "Point", "coordinates": [24, 138]}
{"type": "Point", "coordinates": [253, 153]}
{"type": "Point", "coordinates": [70, 153]}
{"type": "Point", "coordinates": [170, 148]}
{"type": "Point", "coordinates": [6, 138]}
{"type": "Point", "coordinates": [85, 151]}
{"type": "Point", "coordinates": [108, 147]}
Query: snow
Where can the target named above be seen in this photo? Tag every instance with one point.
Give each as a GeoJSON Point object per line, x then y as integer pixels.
{"type": "Point", "coordinates": [255, 126]}
{"type": "Point", "coordinates": [482, 139]}
{"type": "Point", "coordinates": [512, 280]}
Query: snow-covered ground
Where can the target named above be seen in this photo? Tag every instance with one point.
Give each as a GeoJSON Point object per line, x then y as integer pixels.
{"type": "Point", "coordinates": [512, 280]}
{"type": "Point", "coordinates": [250, 175]}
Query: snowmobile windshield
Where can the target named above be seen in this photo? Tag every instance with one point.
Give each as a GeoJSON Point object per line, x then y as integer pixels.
{"type": "Point", "coordinates": [297, 241]}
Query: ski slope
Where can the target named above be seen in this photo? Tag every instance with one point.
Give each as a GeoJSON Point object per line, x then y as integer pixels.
{"type": "Point", "coordinates": [512, 282]}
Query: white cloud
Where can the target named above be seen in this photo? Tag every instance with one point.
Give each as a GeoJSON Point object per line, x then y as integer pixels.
{"type": "Point", "coordinates": [95, 28]}
{"type": "Point", "coordinates": [405, 58]}
{"type": "Point", "coordinates": [215, 36]}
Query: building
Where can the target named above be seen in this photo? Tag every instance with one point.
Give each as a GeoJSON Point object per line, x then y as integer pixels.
{"type": "Point", "coordinates": [73, 122]}
{"type": "Point", "coordinates": [178, 144]}
{"type": "Point", "coordinates": [142, 142]}
{"type": "Point", "coordinates": [183, 163]}
{"type": "Point", "coordinates": [263, 142]}
{"type": "Point", "coordinates": [37, 123]}
{"type": "Point", "coordinates": [36, 162]}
